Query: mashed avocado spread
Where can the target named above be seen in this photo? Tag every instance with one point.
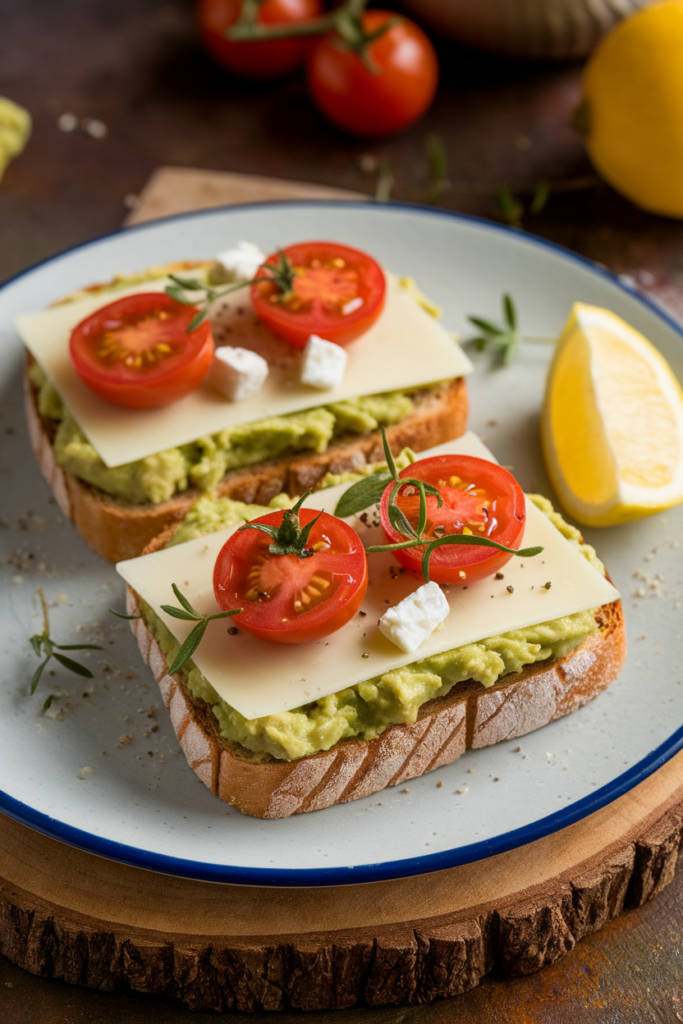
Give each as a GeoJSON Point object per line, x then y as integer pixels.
{"type": "Point", "coordinates": [204, 462]}
{"type": "Point", "coordinates": [368, 708]}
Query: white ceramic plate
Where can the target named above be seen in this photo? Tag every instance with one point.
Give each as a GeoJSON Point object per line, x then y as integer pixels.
{"type": "Point", "coordinates": [139, 802]}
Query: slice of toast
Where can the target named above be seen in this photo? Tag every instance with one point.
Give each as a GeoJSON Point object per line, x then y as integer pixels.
{"type": "Point", "coordinates": [470, 716]}
{"type": "Point", "coordinates": [117, 529]}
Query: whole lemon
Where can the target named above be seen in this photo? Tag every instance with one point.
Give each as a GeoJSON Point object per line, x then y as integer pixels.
{"type": "Point", "coordinates": [632, 108]}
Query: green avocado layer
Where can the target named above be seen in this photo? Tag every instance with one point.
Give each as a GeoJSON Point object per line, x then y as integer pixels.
{"type": "Point", "coordinates": [368, 708]}
{"type": "Point", "coordinates": [204, 462]}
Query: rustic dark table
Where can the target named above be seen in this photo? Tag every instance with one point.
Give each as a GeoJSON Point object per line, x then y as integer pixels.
{"type": "Point", "coordinates": [137, 67]}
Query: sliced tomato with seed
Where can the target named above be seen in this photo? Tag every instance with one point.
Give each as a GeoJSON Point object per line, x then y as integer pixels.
{"type": "Point", "coordinates": [137, 351]}
{"type": "Point", "coordinates": [479, 498]}
{"type": "Point", "coordinates": [287, 599]}
{"type": "Point", "coordinates": [338, 293]}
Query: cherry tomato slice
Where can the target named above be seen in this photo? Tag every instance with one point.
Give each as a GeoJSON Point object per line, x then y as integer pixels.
{"type": "Point", "coordinates": [287, 599]}
{"type": "Point", "coordinates": [137, 352]}
{"type": "Point", "coordinates": [338, 294]}
{"type": "Point", "coordinates": [264, 58]}
{"type": "Point", "coordinates": [479, 497]}
{"type": "Point", "coordinates": [380, 102]}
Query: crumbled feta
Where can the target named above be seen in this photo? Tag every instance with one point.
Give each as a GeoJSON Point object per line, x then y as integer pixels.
{"type": "Point", "coordinates": [238, 372]}
{"type": "Point", "coordinates": [242, 261]}
{"type": "Point", "coordinates": [412, 620]}
{"type": "Point", "coordinates": [323, 363]}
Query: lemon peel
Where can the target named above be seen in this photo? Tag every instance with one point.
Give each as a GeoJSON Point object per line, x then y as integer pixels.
{"type": "Point", "coordinates": [612, 422]}
{"type": "Point", "coordinates": [632, 108]}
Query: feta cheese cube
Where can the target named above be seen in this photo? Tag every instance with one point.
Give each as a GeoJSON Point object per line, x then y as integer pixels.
{"type": "Point", "coordinates": [238, 373]}
{"type": "Point", "coordinates": [242, 262]}
{"type": "Point", "coordinates": [323, 363]}
{"type": "Point", "coordinates": [412, 620]}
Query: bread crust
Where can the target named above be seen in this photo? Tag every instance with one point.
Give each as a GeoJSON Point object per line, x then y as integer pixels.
{"type": "Point", "coordinates": [118, 530]}
{"type": "Point", "coordinates": [470, 716]}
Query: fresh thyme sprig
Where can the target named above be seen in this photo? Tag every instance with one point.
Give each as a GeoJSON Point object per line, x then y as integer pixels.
{"type": "Point", "coordinates": [369, 490]}
{"type": "Point", "coordinates": [281, 274]}
{"type": "Point", "coordinates": [194, 638]}
{"type": "Point", "coordinates": [289, 538]}
{"type": "Point", "coordinates": [502, 338]}
{"type": "Point", "coordinates": [46, 648]}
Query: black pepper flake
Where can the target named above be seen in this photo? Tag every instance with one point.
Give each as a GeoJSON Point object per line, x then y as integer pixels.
{"type": "Point", "coordinates": [499, 576]}
{"type": "Point", "coordinates": [387, 601]}
{"type": "Point", "coordinates": [233, 630]}
{"type": "Point", "coordinates": [547, 586]}
{"type": "Point", "coordinates": [365, 655]}
{"type": "Point", "coordinates": [464, 588]}
{"type": "Point", "coordinates": [510, 589]}
{"type": "Point", "coordinates": [363, 614]}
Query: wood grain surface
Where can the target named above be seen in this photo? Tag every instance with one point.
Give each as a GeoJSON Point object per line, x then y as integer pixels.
{"type": "Point", "coordinates": [68, 914]}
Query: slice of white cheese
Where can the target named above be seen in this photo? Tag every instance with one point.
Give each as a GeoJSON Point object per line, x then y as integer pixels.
{"type": "Point", "coordinates": [406, 348]}
{"type": "Point", "coordinates": [258, 678]}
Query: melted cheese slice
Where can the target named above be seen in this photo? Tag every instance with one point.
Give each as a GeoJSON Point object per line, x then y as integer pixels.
{"type": "Point", "coordinates": [406, 348]}
{"type": "Point", "coordinates": [258, 678]}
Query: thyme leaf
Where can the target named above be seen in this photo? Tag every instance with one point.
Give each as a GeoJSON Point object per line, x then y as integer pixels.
{"type": "Point", "coordinates": [191, 291]}
{"type": "Point", "coordinates": [194, 638]}
{"type": "Point", "coordinates": [45, 647]}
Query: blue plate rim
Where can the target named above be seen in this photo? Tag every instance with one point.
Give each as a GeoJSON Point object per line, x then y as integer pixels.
{"type": "Point", "coordinates": [380, 871]}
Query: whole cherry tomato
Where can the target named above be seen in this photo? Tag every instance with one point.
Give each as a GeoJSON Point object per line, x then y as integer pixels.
{"type": "Point", "coordinates": [380, 101]}
{"type": "Point", "coordinates": [337, 293]}
{"type": "Point", "coordinates": [479, 497]}
{"type": "Point", "coordinates": [287, 599]}
{"type": "Point", "coordinates": [262, 58]}
{"type": "Point", "coordinates": [137, 352]}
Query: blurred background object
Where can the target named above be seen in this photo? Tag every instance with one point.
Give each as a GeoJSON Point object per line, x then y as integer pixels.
{"type": "Point", "coordinates": [15, 128]}
{"type": "Point", "coordinates": [266, 59]}
{"type": "Point", "coordinates": [632, 108]}
{"type": "Point", "coordinates": [546, 29]}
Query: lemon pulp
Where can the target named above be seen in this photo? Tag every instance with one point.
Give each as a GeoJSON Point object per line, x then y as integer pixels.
{"type": "Point", "coordinates": [612, 426]}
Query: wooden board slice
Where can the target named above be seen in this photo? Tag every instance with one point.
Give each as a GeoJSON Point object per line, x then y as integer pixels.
{"type": "Point", "coordinates": [65, 913]}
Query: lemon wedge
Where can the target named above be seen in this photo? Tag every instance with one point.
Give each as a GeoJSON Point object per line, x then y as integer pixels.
{"type": "Point", "coordinates": [612, 423]}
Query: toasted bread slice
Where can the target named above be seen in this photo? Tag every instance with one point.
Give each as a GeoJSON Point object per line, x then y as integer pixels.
{"type": "Point", "coordinates": [117, 529]}
{"type": "Point", "coordinates": [470, 716]}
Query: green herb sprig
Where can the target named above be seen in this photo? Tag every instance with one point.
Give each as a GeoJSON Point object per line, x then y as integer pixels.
{"type": "Point", "coordinates": [369, 490]}
{"type": "Point", "coordinates": [194, 638]}
{"type": "Point", "coordinates": [45, 647]}
{"type": "Point", "coordinates": [192, 292]}
{"type": "Point", "coordinates": [289, 538]}
{"type": "Point", "coordinates": [503, 339]}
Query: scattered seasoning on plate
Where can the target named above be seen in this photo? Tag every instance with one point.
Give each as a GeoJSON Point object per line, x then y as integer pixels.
{"type": "Point", "coordinates": [547, 586]}
{"type": "Point", "coordinates": [439, 785]}
{"type": "Point", "coordinates": [510, 589]}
